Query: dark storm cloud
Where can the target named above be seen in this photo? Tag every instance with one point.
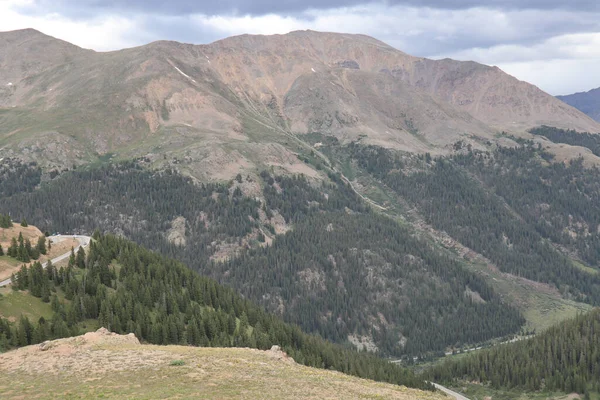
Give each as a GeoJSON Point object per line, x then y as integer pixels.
{"type": "Point", "coordinates": [88, 8]}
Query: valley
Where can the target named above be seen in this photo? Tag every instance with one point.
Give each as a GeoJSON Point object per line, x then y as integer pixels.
{"type": "Point", "coordinates": [325, 193]}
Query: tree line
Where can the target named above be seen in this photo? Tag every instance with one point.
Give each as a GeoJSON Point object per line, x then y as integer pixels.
{"type": "Point", "coordinates": [129, 289]}
{"type": "Point", "coordinates": [569, 136]}
{"type": "Point", "coordinates": [564, 358]}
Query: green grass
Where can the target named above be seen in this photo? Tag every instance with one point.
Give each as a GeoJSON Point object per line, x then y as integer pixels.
{"type": "Point", "coordinates": [584, 267]}
{"type": "Point", "coordinates": [14, 304]}
{"type": "Point", "coordinates": [13, 262]}
{"type": "Point", "coordinates": [541, 305]}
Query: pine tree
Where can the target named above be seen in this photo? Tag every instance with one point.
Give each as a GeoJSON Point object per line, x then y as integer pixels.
{"type": "Point", "coordinates": [72, 258]}
{"type": "Point", "coordinates": [13, 249]}
{"type": "Point", "coordinates": [80, 258]}
{"type": "Point", "coordinates": [24, 223]}
{"type": "Point", "coordinates": [41, 245]}
{"type": "Point", "coordinates": [5, 221]}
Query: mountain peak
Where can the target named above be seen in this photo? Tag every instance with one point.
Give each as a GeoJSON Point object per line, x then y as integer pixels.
{"type": "Point", "coordinates": [28, 35]}
{"type": "Point", "coordinates": [338, 84]}
{"type": "Point", "coordinates": [22, 32]}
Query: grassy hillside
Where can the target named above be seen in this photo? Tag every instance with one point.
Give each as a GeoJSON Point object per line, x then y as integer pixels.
{"type": "Point", "coordinates": [98, 365]}
{"type": "Point", "coordinates": [127, 288]}
{"type": "Point", "coordinates": [13, 304]}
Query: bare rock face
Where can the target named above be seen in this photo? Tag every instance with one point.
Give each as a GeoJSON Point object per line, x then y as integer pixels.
{"type": "Point", "coordinates": [101, 337]}
{"type": "Point", "coordinates": [277, 353]}
{"type": "Point", "coordinates": [104, 336]}
{"type": "Point", "coordinates": [176, 234]}
{"type": "Point", "coordinates": [350, 64]}
{"type": "Point", "coordinates": [47, 345]}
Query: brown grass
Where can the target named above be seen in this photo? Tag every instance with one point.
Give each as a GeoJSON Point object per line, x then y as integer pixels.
{"type": "Point", "coordinates": [113, 366]}
{"type": "Point", "coordinates": [6, 234]}
{"type": "Point", "coordinates": [10, 265]}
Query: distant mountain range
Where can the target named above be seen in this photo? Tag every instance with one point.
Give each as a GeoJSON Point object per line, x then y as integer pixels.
{"type": "Point", "coordinates": [587, 102]}
{"type": "Point", "coordinates": [233, 105]}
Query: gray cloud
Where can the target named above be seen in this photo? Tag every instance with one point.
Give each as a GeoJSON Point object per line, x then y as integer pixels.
{"type": "Point", "coordinates": [443, 28]}
{"type": "Point", "coordinates": [86, 8]}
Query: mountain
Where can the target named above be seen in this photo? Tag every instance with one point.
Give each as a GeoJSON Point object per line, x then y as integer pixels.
{"type": "Point", "coordinates": [313, 253]}
{"type": "Point", "coordinates": [587, 102]}
{"type": "Point", "coordinates": [121, 362]}
{"type": "Point", "coordinates": [237, 104]}
{"type": "Point", "coordinates": [403, 205]}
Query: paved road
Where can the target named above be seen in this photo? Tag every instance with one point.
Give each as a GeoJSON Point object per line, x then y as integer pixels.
{"type": "Point", "coordinates": [449, 392]}
{"type": "Point", "coordinates": [84, 241]}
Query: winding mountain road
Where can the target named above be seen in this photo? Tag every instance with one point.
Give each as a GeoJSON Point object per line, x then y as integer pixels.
{"type": "Point", "coordinates": [84, 241]}
{"type": "Point", "coordinates": [449, 392]}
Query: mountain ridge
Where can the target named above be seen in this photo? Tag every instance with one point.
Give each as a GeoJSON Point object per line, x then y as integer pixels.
{"type": "Point", "coordinates": [587, 102]}
{"type": "Point", "coordinates": [235, 95]}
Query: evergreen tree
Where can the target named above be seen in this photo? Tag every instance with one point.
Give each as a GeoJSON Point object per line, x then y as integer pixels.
{"type": "Point", "coordinates": [5, 221]}
{"type": "Point", "coordinates": [41, 245]}
{"type": "Point", "coordinates": [13, 249]}
{"type": "Point", "coordinates": [80, 258]}
{"type": "Point", "coordinates": [72, 258]}
{"type": "Point", "coordinates": [565, 357]}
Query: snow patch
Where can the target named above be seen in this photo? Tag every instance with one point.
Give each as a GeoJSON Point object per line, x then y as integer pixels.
{"type": "Point", "coordinates": [313, 70]}
{"type": "Point", "coordinates": [9, 84]}
{"type": "Point", "coordinates": [184, 74]}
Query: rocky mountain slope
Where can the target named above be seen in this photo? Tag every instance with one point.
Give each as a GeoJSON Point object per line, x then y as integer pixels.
{"type": "Point", "coordinates": [211, 109]}
{"type": "Point", "coordinates": [107, 365]}
{"type": "Point", "coordinates": [587, 102]}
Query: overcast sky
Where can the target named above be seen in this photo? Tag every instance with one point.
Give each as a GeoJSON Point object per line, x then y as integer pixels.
{"type": "Point", "coordinates": [554, 44]}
